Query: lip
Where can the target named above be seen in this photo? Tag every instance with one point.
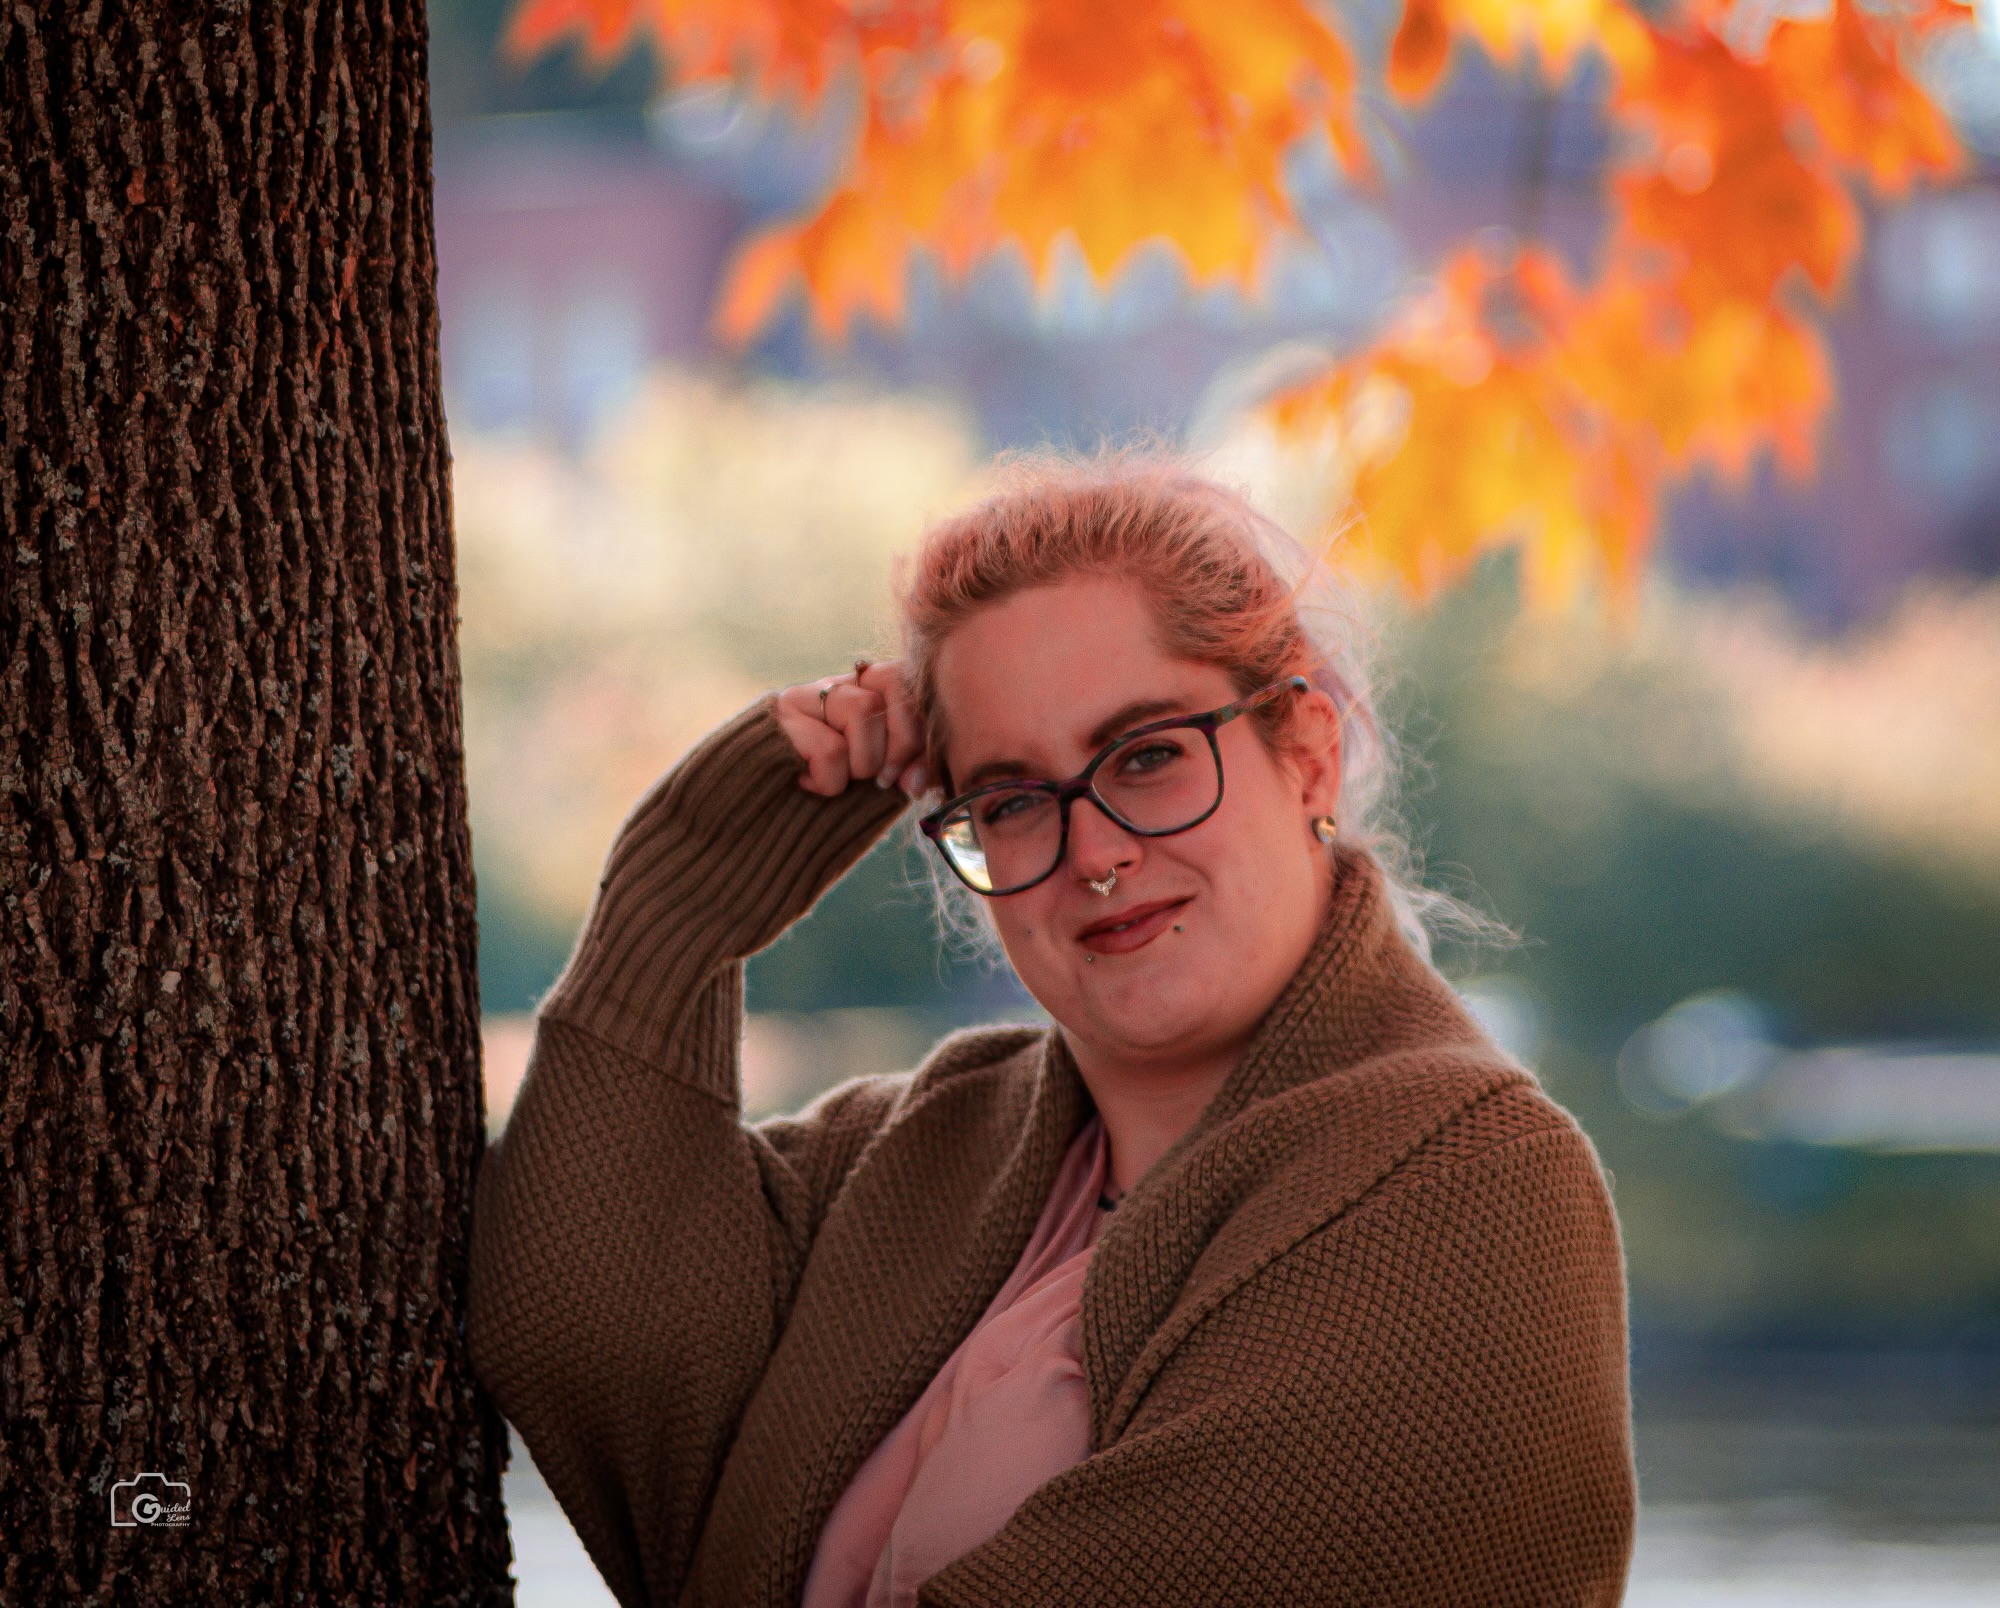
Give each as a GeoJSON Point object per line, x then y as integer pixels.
{"type": "Point", "coordinates": [1127, 930]}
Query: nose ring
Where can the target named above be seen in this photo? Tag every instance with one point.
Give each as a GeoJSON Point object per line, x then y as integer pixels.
{"type": "Point", "coordinates": [1106, 885]}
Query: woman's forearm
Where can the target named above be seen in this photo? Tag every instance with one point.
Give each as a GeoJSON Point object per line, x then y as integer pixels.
{"type": "Point", "coordinates": [724, 853]}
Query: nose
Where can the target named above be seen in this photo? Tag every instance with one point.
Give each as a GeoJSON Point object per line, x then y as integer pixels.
{"type": "Point", "coordinates": [1098, 844]}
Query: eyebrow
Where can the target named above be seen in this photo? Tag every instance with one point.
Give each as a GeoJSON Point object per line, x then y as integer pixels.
{"type": "Point", "coordinates": [1136, 713]}
{"type": "Point", "coordinates": [1133, 714]}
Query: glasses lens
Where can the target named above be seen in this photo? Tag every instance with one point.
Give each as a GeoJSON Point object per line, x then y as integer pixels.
{"type": "Point", "coordinates": [1003, 839]}
{"type": "Point", "coordinates": [1162, 781]}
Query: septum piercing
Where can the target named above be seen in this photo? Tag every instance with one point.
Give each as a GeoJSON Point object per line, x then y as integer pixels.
{"type": "Point", "coordinates": [1106, 885]}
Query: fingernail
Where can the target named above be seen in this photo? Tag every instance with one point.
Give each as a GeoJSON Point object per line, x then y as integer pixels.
{"type": "Point", "coordinates": [915, 780]}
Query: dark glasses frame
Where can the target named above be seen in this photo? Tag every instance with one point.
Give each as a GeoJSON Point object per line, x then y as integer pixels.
{"type": "Point", "coordinates": [1083, 784]}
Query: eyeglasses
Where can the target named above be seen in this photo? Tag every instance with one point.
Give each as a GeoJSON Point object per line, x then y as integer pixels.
{"type": "Point", "coordinates": [1154, 781]}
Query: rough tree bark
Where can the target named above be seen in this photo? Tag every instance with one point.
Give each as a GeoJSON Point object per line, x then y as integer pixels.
{"type": "Point", "coordinates": [239, 1096]}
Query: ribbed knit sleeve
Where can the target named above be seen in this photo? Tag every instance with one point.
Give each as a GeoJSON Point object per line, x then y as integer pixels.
{"type": "Point", "coordinates": [721, 856]}
{"type": "Point", "coordinates": [635, 1246]}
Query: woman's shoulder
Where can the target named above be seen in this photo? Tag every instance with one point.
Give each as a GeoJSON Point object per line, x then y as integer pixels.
{"type": "Point", "coordinates": [1009, 1051]}
{"type": "Point", "coordinates": [1498, 1100]}
{"type": "Point", "coordinates": [1501, 1161]}
{"type": "Point", "coordinates": [1363, 1140]}
{"type": "Point", "coordinates": [1482, 1104]}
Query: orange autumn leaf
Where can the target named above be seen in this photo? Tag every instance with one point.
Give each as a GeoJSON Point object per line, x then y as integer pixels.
{"type": "Point", "coordinates": [1744, 378]}
{"type": "Point", "coordinates": [1163, 120]}
{"type": "Point", "coordinates": [1694, 348]}
{"type": "Point", "coordinates": [603, 28]}
{"type": "Point", "coordinates": [1453, 440]}
{"type": "Point", "coordinates": [1554, 32]}
{"type": "Point", "coordinates": [853, 255]}
{"type": "Point", "coordinates": [1420, 50]}
{"type": "Point", "coordinates": [1509, 405]}
{"type": "Point", "coordinates": [1725, 194]}
{"type": "Point", "coordinates": [1116, 125]}
{"type": "Point", "coordinates": [1847, 75]}
{"type": "Point", "coordinates": [991, 121]}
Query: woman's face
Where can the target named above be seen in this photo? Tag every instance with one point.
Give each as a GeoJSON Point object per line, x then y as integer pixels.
{"type": "Point", "coordinates": [1215, 919]}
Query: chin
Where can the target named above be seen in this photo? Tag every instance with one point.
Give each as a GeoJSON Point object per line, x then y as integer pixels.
{"type": "Point", "coordinates": [1155, 1011]}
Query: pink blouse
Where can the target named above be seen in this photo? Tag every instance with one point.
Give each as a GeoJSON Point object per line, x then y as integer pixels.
{"type": "Point", "coordinates": [1005, 1414]}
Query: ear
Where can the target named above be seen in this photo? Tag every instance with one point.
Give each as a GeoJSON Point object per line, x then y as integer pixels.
{"type": "Point", "coordinates": [1317, 758]}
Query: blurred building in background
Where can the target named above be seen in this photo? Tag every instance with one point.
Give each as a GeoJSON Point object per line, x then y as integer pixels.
{"type": "Point", "coordinates": [571, 258]}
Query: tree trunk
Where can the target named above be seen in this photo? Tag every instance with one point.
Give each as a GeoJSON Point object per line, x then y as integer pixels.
{"type": "Point", "coordinates": [239, 1092]}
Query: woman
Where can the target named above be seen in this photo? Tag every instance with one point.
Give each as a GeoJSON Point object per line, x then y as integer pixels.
{"type": "Point", "coordinates": [1260, 1277]}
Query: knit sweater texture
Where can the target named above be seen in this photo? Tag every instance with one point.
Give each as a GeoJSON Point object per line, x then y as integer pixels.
{"type": "Point", "coordinates": [1358, 1337]}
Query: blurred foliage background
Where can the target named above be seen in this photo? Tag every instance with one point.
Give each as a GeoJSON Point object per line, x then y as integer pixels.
{"type": "Point", "coordinates": [1748, 828]}
{"type": "Point", "coordinates": [1702, 797]}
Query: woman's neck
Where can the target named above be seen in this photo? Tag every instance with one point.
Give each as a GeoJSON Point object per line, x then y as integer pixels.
{"type": "Point", "coordinates": [1146, 1106]}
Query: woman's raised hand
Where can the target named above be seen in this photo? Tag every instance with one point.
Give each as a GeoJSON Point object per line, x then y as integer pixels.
{"type": "Point", "coordinates": [853, 725]}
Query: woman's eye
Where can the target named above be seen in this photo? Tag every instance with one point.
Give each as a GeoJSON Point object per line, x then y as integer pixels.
{"type": "Point", "coordinates": [1001, 808]}
{"type": "Point", "coordinates": [1149, 757]}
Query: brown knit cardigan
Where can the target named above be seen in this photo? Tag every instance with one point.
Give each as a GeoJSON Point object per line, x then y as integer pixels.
{"type": "Point", "coordinates": [1358, 1337]}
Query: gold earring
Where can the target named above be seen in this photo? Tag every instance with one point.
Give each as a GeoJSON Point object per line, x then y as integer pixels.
{"type": "Point", "coordinates": [1325, 828]}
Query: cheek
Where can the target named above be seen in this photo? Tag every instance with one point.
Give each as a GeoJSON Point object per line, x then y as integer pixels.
{"type": "Point", "coordinates": [1031, 936]}
{"type": "Point", "coordinates": [1259, 866]}
{"type": "Point", "coordinates": [1021, 924]}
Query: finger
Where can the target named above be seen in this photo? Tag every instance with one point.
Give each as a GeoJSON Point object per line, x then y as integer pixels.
{"type": "Point", "coordinates": [860, 714]}
{"type": "Point", "coordinates": [827, 768]}
{"type": "Point", "coordinates": [802, 703]}
{"type": "Point", "coordinates": [819, 745]}
{"type": "Point", "coordinates": [906, 740]}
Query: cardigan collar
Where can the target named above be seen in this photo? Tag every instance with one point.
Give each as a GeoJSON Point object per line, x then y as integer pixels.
{"type": "Point", "coordinates": [1362, 992]}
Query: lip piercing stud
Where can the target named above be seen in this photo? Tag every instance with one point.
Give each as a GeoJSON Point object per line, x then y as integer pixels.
{"type": "Point", "coordinates": [1090, 960]}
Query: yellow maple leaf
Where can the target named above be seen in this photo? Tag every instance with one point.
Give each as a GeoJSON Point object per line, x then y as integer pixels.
{"type": "Point", "coordinates": [1554, 32]}
{"type": "Point", "coordinates": [1453, 440]}
{"type": "Point", "coordinates": [1012, 120]}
